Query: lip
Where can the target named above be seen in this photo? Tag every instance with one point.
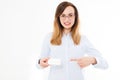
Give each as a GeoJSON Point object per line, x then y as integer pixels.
{"type": "Point", "coordinates": [67, 24]}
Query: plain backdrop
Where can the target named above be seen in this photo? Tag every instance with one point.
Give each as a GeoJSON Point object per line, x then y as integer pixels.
{"type": "Point", "coordinates": [24, 24]}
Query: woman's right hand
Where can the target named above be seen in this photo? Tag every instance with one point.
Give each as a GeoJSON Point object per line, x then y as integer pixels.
{"type": "Point", "coordinates": [44, 62]}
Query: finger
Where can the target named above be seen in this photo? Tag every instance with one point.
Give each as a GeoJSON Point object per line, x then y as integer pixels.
{"type": "Point", "coordinates": [46, 59]}
{"type": "Point", "coordinates": [73, 59]}
{"type": "Point", "coordinates": [44, 63]}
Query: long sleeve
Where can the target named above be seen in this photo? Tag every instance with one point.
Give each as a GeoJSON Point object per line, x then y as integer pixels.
{"type": "Point", "coordinates": [45, 50]}
{"type": "Point", "coordinates": [91, 51]}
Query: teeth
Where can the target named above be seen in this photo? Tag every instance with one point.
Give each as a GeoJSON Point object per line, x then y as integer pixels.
{"type": "Point", "coordinates": [67, 23]}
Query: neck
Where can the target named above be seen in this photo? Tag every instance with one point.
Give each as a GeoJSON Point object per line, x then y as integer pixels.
{"type": "Point", "coordinates": [66, 31]}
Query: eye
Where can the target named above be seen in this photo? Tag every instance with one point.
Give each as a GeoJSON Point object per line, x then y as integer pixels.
{"type": "Point", "coordinates": [62, 15]}
{"type": "Point", "coordinates": [71, 15]}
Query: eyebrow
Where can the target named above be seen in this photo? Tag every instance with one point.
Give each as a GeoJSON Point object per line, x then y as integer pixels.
{"type": "Point", "coordinates": [66, 14]}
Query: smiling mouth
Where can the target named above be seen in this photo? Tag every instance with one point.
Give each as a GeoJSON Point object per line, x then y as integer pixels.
{"type": "Point", "coordinates": [67, 24]}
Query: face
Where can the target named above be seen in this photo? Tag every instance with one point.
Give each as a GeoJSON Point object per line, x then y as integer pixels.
{"type": "Point", "coordinates": [67, 18]}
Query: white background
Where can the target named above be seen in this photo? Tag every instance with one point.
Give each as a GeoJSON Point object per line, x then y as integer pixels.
{"type": "Point", "coordinates": [24, 24]}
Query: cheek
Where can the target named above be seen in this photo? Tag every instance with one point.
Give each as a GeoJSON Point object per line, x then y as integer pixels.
{"type": "Point", "coordinates": [72, 21]}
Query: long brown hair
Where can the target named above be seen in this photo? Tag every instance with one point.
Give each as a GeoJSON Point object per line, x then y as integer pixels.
{"type": "Point", "coordinates": [58, 29]}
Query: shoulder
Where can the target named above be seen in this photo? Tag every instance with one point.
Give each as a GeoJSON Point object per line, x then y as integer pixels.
{"type": "Point", "coordinates": [85, 41]}
{"type": "Point", "coordinates": [48, 36]}
{"type": "Point", "coordinates": [84, 38]}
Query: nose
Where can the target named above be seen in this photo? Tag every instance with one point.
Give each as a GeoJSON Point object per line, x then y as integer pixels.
{"type": "Point", "coordinates": [67, 18]}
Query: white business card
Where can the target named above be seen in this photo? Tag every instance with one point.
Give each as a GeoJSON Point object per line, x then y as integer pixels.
{"type": "Point", "coordinates": [54, 61]}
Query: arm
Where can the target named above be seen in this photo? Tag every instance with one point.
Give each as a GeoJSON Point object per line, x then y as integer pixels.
{"type": "Point", "coordinates": [97, 60]}
{"type": "Point", "coordinates": [43, 60]}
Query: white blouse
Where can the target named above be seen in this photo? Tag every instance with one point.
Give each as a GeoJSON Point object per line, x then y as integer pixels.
{"type": "Point", "coordinates": [70, 70]}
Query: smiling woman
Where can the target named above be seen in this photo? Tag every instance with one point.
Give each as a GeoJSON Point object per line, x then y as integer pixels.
{"type": "Point", "coordinates": [65, 45]}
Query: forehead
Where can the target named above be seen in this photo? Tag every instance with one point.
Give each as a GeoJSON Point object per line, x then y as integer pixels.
{"type": "Point", "coordinates": [68, 10]}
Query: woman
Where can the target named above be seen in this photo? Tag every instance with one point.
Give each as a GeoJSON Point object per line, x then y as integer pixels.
{"type": "Point", "coordinates": [66, 43]}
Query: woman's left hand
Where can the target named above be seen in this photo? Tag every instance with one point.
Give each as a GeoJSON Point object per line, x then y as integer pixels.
{"type": "Point", "coordinates": [85, 61]}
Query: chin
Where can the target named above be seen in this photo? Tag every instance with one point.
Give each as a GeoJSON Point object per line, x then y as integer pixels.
{"type": "Point", "coordinates": [67, 27]}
